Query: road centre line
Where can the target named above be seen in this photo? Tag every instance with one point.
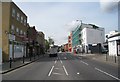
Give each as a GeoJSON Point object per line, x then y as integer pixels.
{"type": "Point", "coordinates": [61, 61]}
{"type": "Point", "coordinates": [55, 61]}
{"type": "Point", "coordinates": [85, 63]}
{"type": "Point", "coordinates": [65, 70]}
{"type": "Point", "coordinates": [107, 74]}
{"type": "Point", "coordinates": [57, 73]}
{"type": "Point", "coordinates": [51, 71]}
{"type": "Point", "coordinates": [56, 68]}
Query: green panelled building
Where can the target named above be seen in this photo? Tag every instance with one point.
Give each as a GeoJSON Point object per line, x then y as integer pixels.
{"type": "Point", "coordinates": [76, 35]}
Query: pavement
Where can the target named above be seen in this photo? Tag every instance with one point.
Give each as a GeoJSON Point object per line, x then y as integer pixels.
{"type": "Point", "coordinates": [102, 58]}
{"type": "Point", "coordinates": [64, 67]}
{"type": "Point", "coordinates": [17, 64]}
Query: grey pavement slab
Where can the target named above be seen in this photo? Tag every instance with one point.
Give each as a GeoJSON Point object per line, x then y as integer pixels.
{"type": "Point", "coordinates": [16, 64]}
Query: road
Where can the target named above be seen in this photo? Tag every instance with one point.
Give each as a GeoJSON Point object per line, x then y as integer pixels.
{"type": "Point", "coordinates": [64, 67]}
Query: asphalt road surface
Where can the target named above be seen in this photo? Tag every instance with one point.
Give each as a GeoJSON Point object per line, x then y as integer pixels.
{"type": "Point", "coordinates": [64, 67]}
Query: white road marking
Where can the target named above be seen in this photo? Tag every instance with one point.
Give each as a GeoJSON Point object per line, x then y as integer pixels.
{"type": "Point", "coordinates": [107, 73]}
{"type": "Point", "coordinates": [56, 68]}
{"type": "Point", "coordinates": [61, 61]}
{"type": "Point", "coordinates": [51, 71]}
{"type": "Point", "coordinates": [65, 70]}
{"type": "Point", "coordinates": [84, 62]}
{"type": "Point", "coordinates": [57, 73]}
{"type": "Point", "coordinates": [55, 61]}
{"type": "Point", "coordinates": [78, 73]}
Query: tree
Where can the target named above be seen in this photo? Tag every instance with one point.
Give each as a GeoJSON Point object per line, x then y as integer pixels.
{"type": "Point", "coordinates": [51, 41]}
{"type": "Point", "coordinates": [47, 45]}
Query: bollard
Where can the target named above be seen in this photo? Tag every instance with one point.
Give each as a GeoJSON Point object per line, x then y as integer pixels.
{"type": "Point", "coordinates": [10, 62]}
{"type": "Point", "coordinates": [23, 58]}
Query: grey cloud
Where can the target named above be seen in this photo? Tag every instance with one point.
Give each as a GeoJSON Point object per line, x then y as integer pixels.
{"type": "Point", "coordinates": [109, 7]}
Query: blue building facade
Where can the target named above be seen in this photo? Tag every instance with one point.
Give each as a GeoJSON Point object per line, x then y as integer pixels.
{"type": "Point", "coordinates": [76, 34]}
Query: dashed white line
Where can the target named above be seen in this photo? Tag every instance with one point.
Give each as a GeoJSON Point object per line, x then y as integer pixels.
{"type": "Point", "coordinates": [57, 73]}
{"type": "Point", "coordinates": [51, 71]}
{"type": "Point", "coordinates": [78, 73]}
{"type": "Point", "coordinates": [85, 63]}
{"type": "Point", "coordinates": [107, 74]}
{"type": "Point", "coordinates": [56, 68]}
{"type": "Point", "coordinates": [65, 70]}
{"type": "Point", "coordinates": [61, 61]}
{"type": "Point", "coordinates": [55, 61]}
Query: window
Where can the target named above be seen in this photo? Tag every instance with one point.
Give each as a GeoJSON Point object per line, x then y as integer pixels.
{"type": "Point", "coordinates": [21, 32]}
{"type": "Point", "coordinates": [12, 27]}
{"type": "Point", "coordinates": [13, 12]}
{"type": "Point", "coordinates": [113, 43]}
{"type": "Point", "coordinates": [21, 19]}
{"type": "Point", "coordinates": [17, 30]}
{"type": "Point", "coordinates": [24, 33]}
{"type": "Point", "coordinates": [25, 21]}
{"type": "Point", "coordinates": [18, 16]}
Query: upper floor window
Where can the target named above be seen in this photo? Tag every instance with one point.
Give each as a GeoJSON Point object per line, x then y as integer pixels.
{"type": "Point", "coordinates": [21, 19]}
{"type": "Point", "coordinates": [18, 16]}
{"type": "Point", "coordinates": [17, 30]}
{"type": "Point", "coordinates": [24, 33]}
{"type": "Point", "coordinates": [13, 12]}
{"type": "Point", "coordinates": [25, 21]}
{"type": "Point", "coordinates": [12, 28]}
{"type": "Point", "coordinates": [21, 32]}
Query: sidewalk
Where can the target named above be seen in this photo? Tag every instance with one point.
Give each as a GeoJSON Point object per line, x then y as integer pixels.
{"type": "Point", "coordinates": [102, 58]}
{"type": "Point", "coordinates": [17, 64]}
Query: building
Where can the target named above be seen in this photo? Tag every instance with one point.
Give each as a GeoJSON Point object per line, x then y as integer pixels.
{"type": "Point", "coordinates": [14, 27]}
{"type": "Point", "coordinates": [94, 37]}
{"type": "Point", "coordinates": [0, 33]}
{"type": "Point", "coordinates": [70, 42]}
{"type": "Point", "coordinates": [32, 41]}
{"type": "Point", "coordinates": [41, 42]}
{"type": "Point", "coordinates": [66, 47]}
{"type": "Point", "coordinates": [114, 43]}
{"type": "Point", "coordinates": [76, 38]}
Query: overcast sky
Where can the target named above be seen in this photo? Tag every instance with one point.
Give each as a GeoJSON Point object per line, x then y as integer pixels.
{"type": "Point", "coordinates": [54, 18]}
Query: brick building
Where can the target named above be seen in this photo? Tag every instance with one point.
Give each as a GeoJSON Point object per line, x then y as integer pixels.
{"type": "Point", "coordinates": [14, 27]}
{"type": "Point", "coordinates": [70, 42]}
